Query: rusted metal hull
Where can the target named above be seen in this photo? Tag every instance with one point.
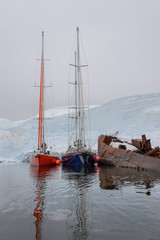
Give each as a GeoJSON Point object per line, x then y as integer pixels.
{"type": "Point", "coordinates": [125, 158]}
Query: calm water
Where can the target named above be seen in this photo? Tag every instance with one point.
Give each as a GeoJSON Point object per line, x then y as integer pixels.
{"type": "Point", "coordinates": [58, 203]}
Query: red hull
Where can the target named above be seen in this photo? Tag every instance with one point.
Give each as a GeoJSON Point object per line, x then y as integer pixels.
{"type": "Point", "coordinates": [42, 160]}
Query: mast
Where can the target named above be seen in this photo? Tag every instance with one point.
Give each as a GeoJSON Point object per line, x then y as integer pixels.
{"type": "Point", "coordinates": [81, 130]}
{"type": "Point", "coordinates": [41, 102]}
{"type": "Point", "coordinates": [76, 113]}
{"type": "Point", "coordinates": [43, 143]}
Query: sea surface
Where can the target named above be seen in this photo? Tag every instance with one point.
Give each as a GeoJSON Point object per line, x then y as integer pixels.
{"type": "Point", "coordinates": [65, 203]}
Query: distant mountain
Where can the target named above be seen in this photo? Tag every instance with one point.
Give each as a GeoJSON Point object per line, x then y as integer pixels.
{"type": "Point", "coordinates": [130, 116]}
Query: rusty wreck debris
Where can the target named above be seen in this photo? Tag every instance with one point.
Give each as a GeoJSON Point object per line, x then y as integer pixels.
{"type": "Point", "coordinates": [135, 154]}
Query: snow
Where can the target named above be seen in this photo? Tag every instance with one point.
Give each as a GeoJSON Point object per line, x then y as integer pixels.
{"type": "Point", "coordinates": [128, 146]}
{"type": "Point", "coordinates": [131, 116]}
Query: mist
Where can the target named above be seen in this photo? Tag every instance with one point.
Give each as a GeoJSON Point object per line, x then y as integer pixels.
{"type": "Point", "coordinates": [121, 41]}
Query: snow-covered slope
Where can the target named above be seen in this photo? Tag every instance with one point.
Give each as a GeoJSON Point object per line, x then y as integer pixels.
{"type": "Point", "coordinates": [130, 116]}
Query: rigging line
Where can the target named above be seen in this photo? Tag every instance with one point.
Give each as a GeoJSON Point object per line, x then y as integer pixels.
{"type": "Point", "coordinates": [83, 49]}
{"type": "Point", "coordinates": [68, 107]}
{"type": "Point", "coordinates": [73, 47]}
{"type": "Point", "coordinates": [53, 136]}
{"type": "Point", "coordinates": [88, 102]}
{"type": "Point", "coordinates": [53, 125]}
{"type": "Point", "coordinates": [89, 111]}
{"type": "Point", "coordinates": [72, 133]}
{"type": "Point", "coordinates": [88, 128]}
{"type": "Point", "coordinates": [88, 95]}
{"type": "Point", "coordinates": [70, 103]}
{"type": "Point", "coordinates": [35, 113]}
{"type": "Point", "coordinates": [88, 98]}
{"type": "Point", "coordinates": [39, 48]}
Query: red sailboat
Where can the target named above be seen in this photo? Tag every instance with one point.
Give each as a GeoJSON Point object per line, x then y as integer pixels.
{"type": "Point", "coordinates": [42, 157]}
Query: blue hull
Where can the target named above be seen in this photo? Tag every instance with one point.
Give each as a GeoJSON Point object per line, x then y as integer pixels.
{"type": "Point", "coordinates": [79, 160]}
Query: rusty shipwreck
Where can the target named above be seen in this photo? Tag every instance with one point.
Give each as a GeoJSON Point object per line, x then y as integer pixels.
{"type": "Point", "coordinates": [137, 153]}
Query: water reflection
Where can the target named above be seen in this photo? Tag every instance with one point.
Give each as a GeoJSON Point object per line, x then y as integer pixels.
{"type": "Point", "coordinates": [71, 203]}
{"type": "Point", "coordinates": [115, 178]}
{"type": "Point", "coordinates": [79, 169]}
{"type": "Point", "coordinates": [78, 222]}
{"type": "Point", "coordinates": [41, 176]}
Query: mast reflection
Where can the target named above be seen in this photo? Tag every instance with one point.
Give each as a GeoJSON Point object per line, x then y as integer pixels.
{"type": "Point", "coordinates": [78, 221]}
{"type": "Point", "coordinates": [41, 176]}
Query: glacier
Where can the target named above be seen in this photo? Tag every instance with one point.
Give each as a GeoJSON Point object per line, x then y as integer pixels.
{"type": "Point", "coordinates": [131, 116]}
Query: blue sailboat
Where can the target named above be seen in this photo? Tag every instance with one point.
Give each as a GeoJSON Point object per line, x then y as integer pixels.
{"type": "Point", "coordinates": [78, 154]}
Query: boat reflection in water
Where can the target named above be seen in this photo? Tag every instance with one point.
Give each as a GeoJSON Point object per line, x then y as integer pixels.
{"type": "Point", "coordinates": [41, 176]}
{"type": "Point", "coordinates": [116, 178]}
{"type": "Point", "coordinates": [79, 223]}
{"type": "Point", "coordinates": [79, 169]}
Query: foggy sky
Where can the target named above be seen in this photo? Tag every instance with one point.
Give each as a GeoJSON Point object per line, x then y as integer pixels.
{"type": "Point", "coordinates": [121, 40]}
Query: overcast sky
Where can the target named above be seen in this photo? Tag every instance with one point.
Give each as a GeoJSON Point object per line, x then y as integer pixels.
{"type": "Point", "coordinates": [121, 39]}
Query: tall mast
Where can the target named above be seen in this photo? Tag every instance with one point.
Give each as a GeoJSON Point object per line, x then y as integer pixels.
{"type": "Point", "coordinates": [80, 98]}
{"type": "Point", "coordinates": [76, 113]}
{"type": "Point", "coordinates": [41, 102]}
{"type": "Point", "coordinates": [43, 147]}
